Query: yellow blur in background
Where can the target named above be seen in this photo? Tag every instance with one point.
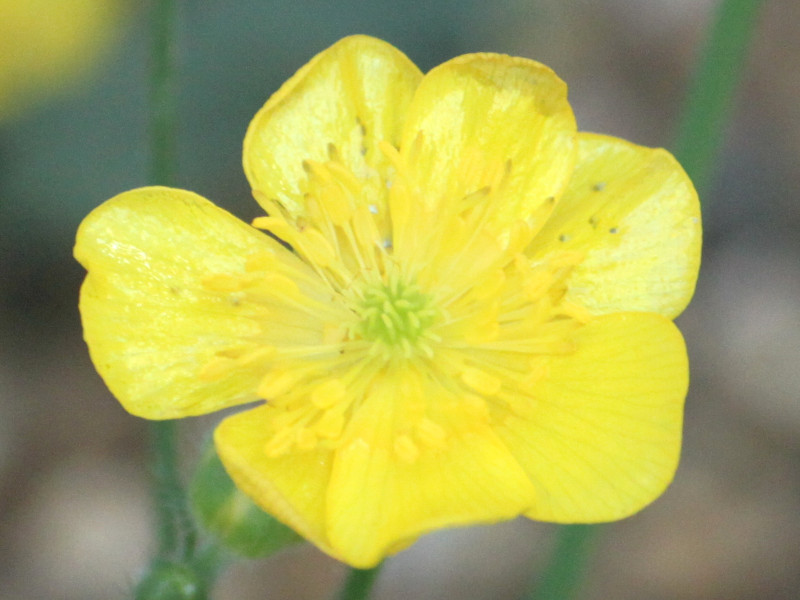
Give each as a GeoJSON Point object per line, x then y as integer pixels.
{"type": "Point", "coordinates": [48, 45]}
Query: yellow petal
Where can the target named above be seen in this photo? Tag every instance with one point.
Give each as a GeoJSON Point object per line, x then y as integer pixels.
{"type": "Point", "coordinates": [388, 485]}
{"type": "Point", "coordinates": [493, 131]}
{"type": "Point", "coordinates": [602, 436]}
{"type": "Point", "coordinates": [635, 215]}
{"type": "Point", "coordinates": [152, 326]}
{"type": "Point", "coordinates": [349, 97]}
{"type": "Point", "coordinates": [292, 487]}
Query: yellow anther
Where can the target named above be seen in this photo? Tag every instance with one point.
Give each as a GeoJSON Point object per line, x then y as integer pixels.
{"type": "Point", "coordinates": [365, 229]}
{"type": "Point", "coordinates": [346, 177]}
{"type": "Point", "coordinates": [215, 369]}
{"type": "Point", "coordinates": [276, 383]}
{"type": "Point", "coordinates": [538, 284]}
{"type": "Point", "coordinates": [273, 284]}
{"type": "Point", "coordinates": [221, 282]}
{"type": "Point", "coordinates": [257, 356]}
{"type": "Point", "coordinates": [481, 381]}
{"type": "Point", "coordinates": [260, 261]}
{"type": "Point", "coordinates": [315, 246]}
{"type": "Point", "coordinates": [519, 236]}
{"type": "Point", "coordinates": [391, 153]}
{"type": "Point", "coordinates": [489, 286]}
{"type": "Point", "coordinates": [482, 331]}
{"type": "Point", "coordinates": [575, 311]}
{"type": "Point", "coordinates": [318, 170]}
{"type": "Point", "coordinates": [431, 434]}
{"type": "Point", "coordinates": [330, 425]}
{"type": "Point", "coordinates": [475, 406]}
{"type": "Point", "coordinates": [327, 394]}
{"type": "Point", "coordinates": [333, 333]}
{"type": "Point", "coordinates": [334, 200]}
{"type": "Point", "coordinates": [278, 226]}
{"type": "Point", "coordinates": [279, 443]}
{"type": "Point", "coordinates": [483, 325]}
{"type": "Point", "coordinates": [306, 439]}
{"type": "Point", "coordinates": [406, 449]}
{"type": "Point", "coordinates": [538, 371]}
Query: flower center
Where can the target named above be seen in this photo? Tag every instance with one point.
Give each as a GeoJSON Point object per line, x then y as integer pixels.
{"type": "Point", "coordinates": [398, 318]}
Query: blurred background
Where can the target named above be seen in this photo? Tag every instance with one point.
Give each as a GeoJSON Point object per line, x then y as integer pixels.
{"type": "Point", "coordinates": [75, 520]}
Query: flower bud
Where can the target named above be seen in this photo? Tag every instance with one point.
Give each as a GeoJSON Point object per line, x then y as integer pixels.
{"type": "Point", "coordinates": [231, 516]}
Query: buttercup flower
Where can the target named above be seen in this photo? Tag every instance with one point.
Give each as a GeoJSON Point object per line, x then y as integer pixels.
{"type": "Point", "coordinates": [473, 321]}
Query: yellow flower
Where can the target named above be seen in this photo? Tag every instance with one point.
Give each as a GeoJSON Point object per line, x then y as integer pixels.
{"type": "Point", "coordinates": [474, 322]}
{"type": "Point", "coordinates": [46, 43]}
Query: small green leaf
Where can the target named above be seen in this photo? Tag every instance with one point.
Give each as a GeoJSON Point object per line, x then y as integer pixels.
{"type": "Point", "coordinates": [231, 516]}
{"type": "Point", "coordinates": [170, 581]}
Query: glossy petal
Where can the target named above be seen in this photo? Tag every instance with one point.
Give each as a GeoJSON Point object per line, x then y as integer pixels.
{"type": "Point", "coordinates": [150, 323]}
{"type": "Point", "coordinates": [384, 485]}
{"type": "Point", "coordinates": [388, 487]}
{"type": "Point", "coordinates": [603, 436]}
{"type": "Point", "coordinates": [490, 122]}
{"type": "Point", "coordinates": [293, 487]}
{"type": "Point", "coordinates": [634, 214]}
{"type": "Point", "coordinates": [351, 96]}
{"type": "Point", "coordinates": [419, 371]}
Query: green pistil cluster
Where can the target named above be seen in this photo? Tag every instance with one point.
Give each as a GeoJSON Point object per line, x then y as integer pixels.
{"type": "Point", "coordinates": [398, 315]}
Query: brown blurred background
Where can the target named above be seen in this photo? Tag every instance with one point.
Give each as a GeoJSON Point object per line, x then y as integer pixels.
{"type": "Point", "coordinates": [75, 521]}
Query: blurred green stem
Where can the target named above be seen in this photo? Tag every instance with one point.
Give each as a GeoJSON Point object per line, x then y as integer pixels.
{"type": "Point", "coordinates": [176, 535]}
{"type": "Point", "coordinates": [358, 584]}
{"type": "Point", "coordinates": [563, 575]}
{"type": "Point", "coordinates": [700, 134]}
{"type": "Point", "coordinates": [713, 90]}
{"type": "Point", "coordinates": [163, 108]}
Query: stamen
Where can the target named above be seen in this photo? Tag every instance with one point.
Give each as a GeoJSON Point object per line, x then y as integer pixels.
{"type": "Point", "coordinates": [406, 449]}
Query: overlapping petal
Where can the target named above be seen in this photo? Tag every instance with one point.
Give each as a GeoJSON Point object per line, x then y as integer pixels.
{"type": "Point", "coordinates": [346, 100]}
{"type": "Point", "coordinates": [389, 480]}
{"type": "Point", "coordinates": [602, 439]}
{"type": "Point", "coordinates": [292, 487]}
{"type": "Point", "coordinates": [149, 321]}
{"type": "Point", "coordinates": [634, 215]}
{"type": "Point", "coordinates": [488, 124]}
{"type": "Point", "coordinates": [387, 487]}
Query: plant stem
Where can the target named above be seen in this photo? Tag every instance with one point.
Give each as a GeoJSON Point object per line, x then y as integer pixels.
{"type": "Point", "coordinates": [563, 576]}
{"type": "Point", "coordinates": [163, 108]}
{"type": "Point", "coordinates": [359, 583]}
{"type": "Point", "coordinates": [712, 92]}
{"type": "Point", "coordinates": [176, 535]}
{"type": "Point", "coordinates": [700, 133]}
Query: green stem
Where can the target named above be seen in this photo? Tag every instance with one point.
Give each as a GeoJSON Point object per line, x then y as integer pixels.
{"type": "Point", "coordinates": [563, 576]}
{"type": "Point", "coordinates": [176, 535]}
{"type": "Point", "coordinates": [359, 583]}
{"type": "Point", "coordinates": [712, 92]}
{"type": "Point", "coordinates": [700, 133]}
{"type": "Point", "coordinates": [163, 107]}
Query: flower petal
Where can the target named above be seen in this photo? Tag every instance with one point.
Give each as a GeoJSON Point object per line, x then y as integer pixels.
{"type": "Point", "coordinates": [150, 323]}
{"type": "Point", "coordinates": [351, 96]}
{"type": "Point", "coordinates": [603, 437]}
{"type": "Point", "coordinates": [494, 123]}
{"type": "Point", "coordinates": [292, 488]}
{"type": "Point", "coordinates": [635, 215]}
{"type": "Point", "coordinates": [389, 486]}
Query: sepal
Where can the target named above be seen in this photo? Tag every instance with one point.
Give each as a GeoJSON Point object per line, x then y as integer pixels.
{"type": "Point", "coordinates": [224, 511]}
